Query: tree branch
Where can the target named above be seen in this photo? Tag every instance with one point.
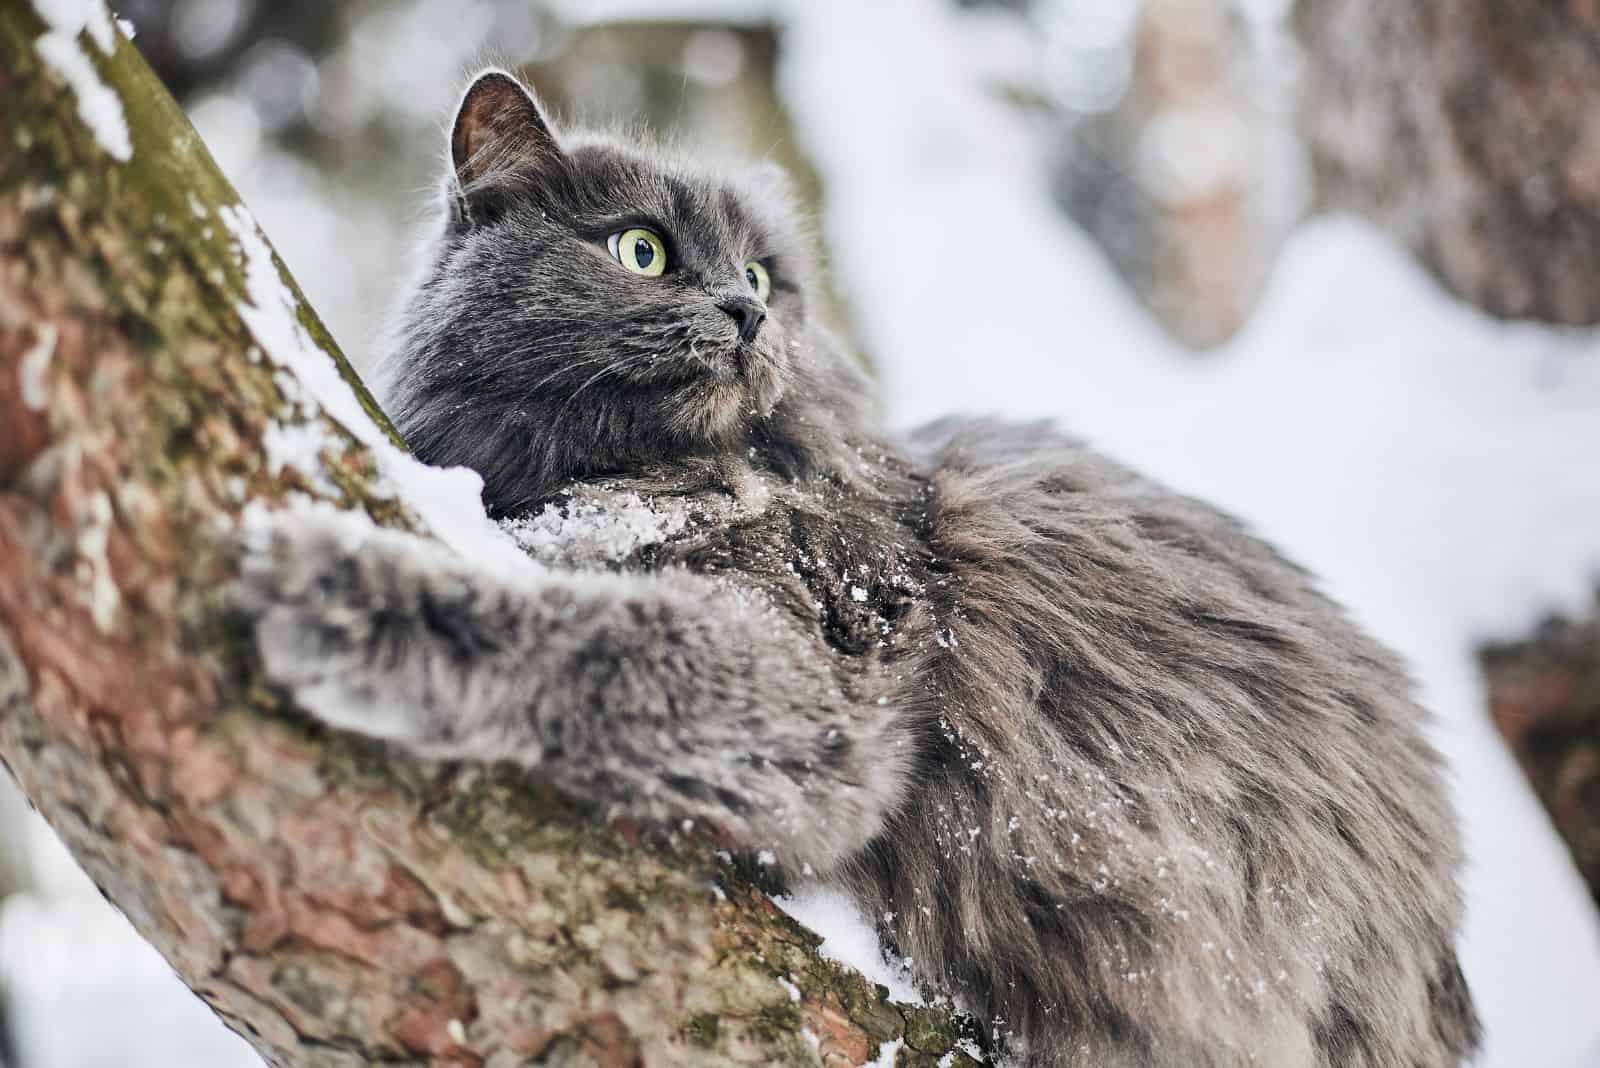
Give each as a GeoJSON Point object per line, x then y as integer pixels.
{"type": "Point", "coordinates": [333, 906]}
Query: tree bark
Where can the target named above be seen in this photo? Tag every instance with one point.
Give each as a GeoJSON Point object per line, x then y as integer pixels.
{"type": "Point", "coordinates": [334, 905]}
{"type": "Point", "coordinates": [1466, 128]}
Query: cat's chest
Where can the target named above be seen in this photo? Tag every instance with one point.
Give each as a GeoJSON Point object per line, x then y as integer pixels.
{"type": "Point", "coordinates": [841, 570]}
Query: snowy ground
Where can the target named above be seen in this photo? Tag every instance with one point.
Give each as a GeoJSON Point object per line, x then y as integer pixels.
{"type": "Point", "coordinates": [1437, 469]}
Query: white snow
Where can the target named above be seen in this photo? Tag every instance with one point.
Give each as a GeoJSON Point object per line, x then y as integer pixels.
{"type": "Point", "coordinates": [100, 592]}
{"type": "Point", "coordinates": [98, 106]}
{"type": "Point", "coordinates": [1437, 468]}
{"type": "Point", "coordinates": [448, 501]}
{"type": "Point", "coordinates": [886, 1055]}
{"type": "Point", "coordinates": [847, 936]}
{"type": "Point", "coordinates": [298, 445]}
{"type": "Point", "coordinates": [34, 368]}
{"type": "Point", "coordinates": [596, 525]}
{"type": "Point", "coordinates": [72, 17]}
{"type": "Point", "coordinates": [85, 991]}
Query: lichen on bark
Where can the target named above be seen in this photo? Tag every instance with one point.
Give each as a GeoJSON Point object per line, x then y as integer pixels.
{"type": "Point", "coordinates": [333, 905]}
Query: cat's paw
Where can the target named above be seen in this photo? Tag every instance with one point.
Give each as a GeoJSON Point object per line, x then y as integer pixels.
{"type": "Point", "coordinates": [333, 618]}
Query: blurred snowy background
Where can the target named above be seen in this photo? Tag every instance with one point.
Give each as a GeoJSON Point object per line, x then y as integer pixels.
{"type": "Point", "coordinates": [1093, 210]}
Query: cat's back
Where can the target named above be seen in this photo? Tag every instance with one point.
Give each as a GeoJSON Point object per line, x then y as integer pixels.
{"type": "Point", "coordinates": [1147, 712]}
{"type": "Point", "coordinates": [1067, 534]}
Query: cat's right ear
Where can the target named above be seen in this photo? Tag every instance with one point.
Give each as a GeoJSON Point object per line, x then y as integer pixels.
{"type": "Point", "coordinates": [500, 139]}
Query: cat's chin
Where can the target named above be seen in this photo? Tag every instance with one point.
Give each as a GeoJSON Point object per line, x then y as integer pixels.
{"type": "Point", "coordinates": [713, 410]}
{"type": "Point", "coordinates": [743, 385]}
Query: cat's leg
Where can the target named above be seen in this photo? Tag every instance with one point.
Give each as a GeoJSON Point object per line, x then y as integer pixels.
{"type": "Point", "coordinates": [662, 697]}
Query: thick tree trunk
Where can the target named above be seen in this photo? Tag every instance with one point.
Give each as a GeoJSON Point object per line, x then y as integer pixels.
{"type": "Point", "coordinates": [335, 907]}
{"type": "Point", "coordinates": [1466, 128]}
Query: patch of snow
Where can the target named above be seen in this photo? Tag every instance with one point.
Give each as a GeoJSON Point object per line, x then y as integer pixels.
{"type": "Point", "coordinates": [94, 569]}
{"type": "Point", "coordinates": [72, 17]}
{"type": "Point", "coordinates": [448, 501]}
{"type": "Point", "coordinates": [34, 368]}
{"type": "Point", "coordinates": [98, 106]}
{"type": "Point", "coordinates": [297, 445]}
{"type": "Point", "coordinates": [970, 1048]}
{"type": "Point", "coordinates": [887, 1052]}
{"type": "Point", "coordinates": [1436, 467]}
{"type": "Point", "coordinates": [847, 936]}
{"type": "Point", "coordinates": [788, 985]}
{"type": "Point", "coordinates": [593, 526]}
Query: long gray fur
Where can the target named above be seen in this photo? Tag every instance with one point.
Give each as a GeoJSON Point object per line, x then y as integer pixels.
{"type": "Point", "coordinates": [1104, 765]}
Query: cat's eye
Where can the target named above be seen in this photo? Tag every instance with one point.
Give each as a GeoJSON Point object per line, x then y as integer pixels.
{"type": "Point", "coordinates": [639, 250]}
{"type": "Point", "coordinates": [759, 279]}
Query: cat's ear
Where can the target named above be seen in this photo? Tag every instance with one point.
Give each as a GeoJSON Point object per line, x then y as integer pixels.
{"type": "Point", "coordinates": [499, 139]}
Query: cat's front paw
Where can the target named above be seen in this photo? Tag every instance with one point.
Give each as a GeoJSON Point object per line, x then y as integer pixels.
{"type": "Point", "coordinates": [328, 603]}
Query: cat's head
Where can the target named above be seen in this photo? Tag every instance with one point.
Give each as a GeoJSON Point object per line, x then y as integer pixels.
{"type": "Point", "coordinates": [597, 307]}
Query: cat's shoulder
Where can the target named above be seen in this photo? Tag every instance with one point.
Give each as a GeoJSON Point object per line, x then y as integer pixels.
{"type": "Point", "coordinates": [985, 461]}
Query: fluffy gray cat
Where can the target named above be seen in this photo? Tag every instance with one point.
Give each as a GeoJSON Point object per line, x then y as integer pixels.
{"type": "Point", "coordinates": [1108, 767]}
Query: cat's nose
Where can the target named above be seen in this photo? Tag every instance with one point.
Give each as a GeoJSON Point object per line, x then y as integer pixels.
{"type": "Point", "coordinates": [749, 314]}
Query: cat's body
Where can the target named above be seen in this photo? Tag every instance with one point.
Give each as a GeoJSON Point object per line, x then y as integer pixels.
{"type": "Point", "coordinates": [1108, 768]}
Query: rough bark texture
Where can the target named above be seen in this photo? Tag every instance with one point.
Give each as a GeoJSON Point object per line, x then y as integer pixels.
{"type": "Point", "coordinates": [334, 907]}
{"type": "Point", "coordinates": [1466, 128]}
{"type": "Point", "coordinates": [1544, 694]}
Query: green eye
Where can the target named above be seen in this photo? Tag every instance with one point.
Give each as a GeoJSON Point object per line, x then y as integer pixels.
{"type": "Point", "coordinates": [640, 251]}
{"type": "Point", "coordinates": [759, 279]}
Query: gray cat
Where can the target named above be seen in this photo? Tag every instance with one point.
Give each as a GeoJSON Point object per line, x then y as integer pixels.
{"type": "Point", "coordinates": [1108, 767]}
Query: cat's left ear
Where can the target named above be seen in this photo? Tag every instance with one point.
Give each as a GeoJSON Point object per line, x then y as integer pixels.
{"type": "Point", "coordinates": [499, 138]}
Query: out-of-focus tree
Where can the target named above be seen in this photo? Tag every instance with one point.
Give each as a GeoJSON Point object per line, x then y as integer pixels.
{"type": "Point", "coordinates": [1544, 695]}
{"type": "Point", "coordinates": [1173, 146]}
{"type": "Point", "coordinates": [1467, 129]}
{"type": "Point", "coordinates": [196, 44]}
